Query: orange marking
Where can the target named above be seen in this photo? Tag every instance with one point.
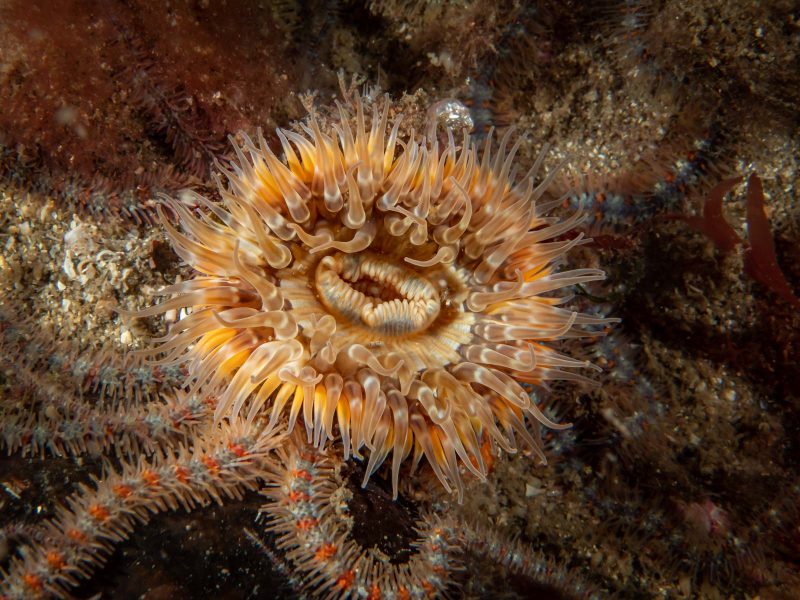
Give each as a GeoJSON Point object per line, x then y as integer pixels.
{"type": "Point", "coordinates": [99, 512]}
{"type": "Point", "coordinates": [211, 464]}
{"type": "Point", "coordinates": [182, 416]}
{"type": "Point", "coordinates": [151, 478]}
{"type": "Point", "coordinates": [237, 449]}
{"type": "Point", "coordinates": [486, 454]}
{"type": "Point", "coordinates": [403, 594]}
{"type": "Point", "coordinates": [182, 474]}
{"type": "Point", "coordinates": [76, 535]}
{"type": "Point", "coordinates": [325, 552]}
{"type": "Point", "coordinates": [122, 491]}
{"type": "Point", "coordinates": [306, 524]}
{"type": "Point", "coordinates": [302, 474]}
{"type": "Point", "coordinates": [55, 560]}
{"type": "Point", "coordinates": [345, 580]}
{"type": "Point", "coordinates": [295, 496]}
{"type": "Point", "coordinates": [33, 582]}
{"type": "Point", "coordinates": [374, 593]}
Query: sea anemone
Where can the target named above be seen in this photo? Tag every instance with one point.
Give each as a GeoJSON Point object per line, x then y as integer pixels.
{"type": "Point", "coordinates": [391, 288]}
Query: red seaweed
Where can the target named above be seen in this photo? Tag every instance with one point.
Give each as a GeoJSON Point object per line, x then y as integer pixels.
{"type": "Point", "coordinates": [760, 261]}
{"type": "Point", "coordinates": [713, 224]}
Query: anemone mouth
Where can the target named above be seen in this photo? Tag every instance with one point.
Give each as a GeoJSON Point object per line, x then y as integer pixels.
{"type": "Point", "coordinates": [377, 293]}
{"type": "Point", "coordinates": [390, 293]}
